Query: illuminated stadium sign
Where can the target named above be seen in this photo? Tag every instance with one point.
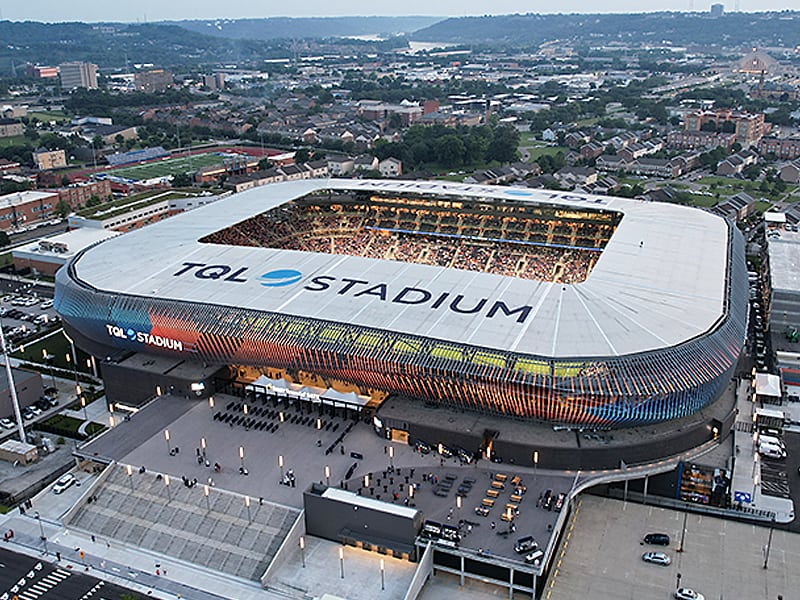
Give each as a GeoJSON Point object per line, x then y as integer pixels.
{"type": "Point", "coordinates": [144, 337]}
{"type": "Point", "coordinates": [361, 288]}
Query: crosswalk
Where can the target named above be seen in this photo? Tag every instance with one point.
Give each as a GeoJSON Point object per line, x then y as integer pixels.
{"type": "Point", "coordinates": [31, 588]}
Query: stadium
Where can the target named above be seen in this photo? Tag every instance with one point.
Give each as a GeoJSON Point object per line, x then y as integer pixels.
{"type": "Point", "coordinates": [539, 306]}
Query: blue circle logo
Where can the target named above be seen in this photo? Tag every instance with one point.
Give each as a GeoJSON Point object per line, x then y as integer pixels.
{"type": "Point", "coordinates": [131, 334]}
{"type": "Point", "coordinates": [280, 278]}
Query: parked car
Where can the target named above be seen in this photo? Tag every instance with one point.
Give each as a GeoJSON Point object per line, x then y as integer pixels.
{"type": "Point", "coordinates": [657, 539]}
{"type": "Point", "coordinates": [534, 557]}
{"type": "Point", "coordinates": [422, 447]}
{"type": "Point", "coordinates": [7, 423]}
{"type": "Point", "coordinates": [446, 451]}
{"type": "Point", "coordinates": [27, 413]}
{"type": "Point", "coordinates": [34, 409]}
{"type": "Point", "coordinates": [688, 594]}
{"type": "Point", "coordinates": [657, 558]}
{"type": "Point", "coordinates": [46, 304]}
{"type": "Point", "coordinates": [64, 483]}
{"type": "Point", "coordinates": [525, 544]}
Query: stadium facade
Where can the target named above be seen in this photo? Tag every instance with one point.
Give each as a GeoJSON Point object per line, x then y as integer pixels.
{"type": "Point", "coordinates": [647, 329]}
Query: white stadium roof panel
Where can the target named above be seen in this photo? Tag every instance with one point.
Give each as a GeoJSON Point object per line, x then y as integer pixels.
{"type": "Point", "coordinates": [659, 281]}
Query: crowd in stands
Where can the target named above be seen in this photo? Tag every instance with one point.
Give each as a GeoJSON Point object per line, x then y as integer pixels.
{"type": "Point", "coordinates": [546, 247]}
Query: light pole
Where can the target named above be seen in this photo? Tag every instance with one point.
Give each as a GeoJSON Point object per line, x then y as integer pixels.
{"type": "Point", "coordinates": [203, 447]}
{"type": "Point", "coordinates": [280, 464]}
{"type": "Point", "coordinates": [129, 470]}
{"type": "Point", "coordinates": [458, 506]}
{"type": "Point", "coordinates": [682, 547]}
{"type": "Point", "coordinates": [769, 542]}
{"type": "Point", "coordinates": [205, 493]}
{"type": "Point", "coordinates": [535, 465]}
{"type": "Point", "coordinates": [166, 484]}
{"type": "Point", "coordinates": [341, 561]}
{"type": "Point", "coordinates": [391, 457]}
{"type": "Point", "coordinates": [303, 550]}
{"type": "Point", "coordinates": [13, 390]}
{"type": "Point", "coordinates": [242, 470]}
{"type": "Point", "coordinates": [211, 403]}
{"type": "Point", "coordinates": [383, 580]}
{"type": "Point", "coordinates": [166, 437]}
{"type": "Point", "coordinates": [90, 364]}
{"type": "Point", "coordinates": [43, 537]}
{"type": "Point", "coordinates": [327, 475]}
{"type": "Point", "coordinates": [79, 393]}
{"type": "Point", "coordinates": [244, 409]}
{"type": "Point", "coordinates": [247, 504]}
{"type": "Point", "coordinates": [48, 360]}
{"type": "Point", "coordinates": [678, 582]}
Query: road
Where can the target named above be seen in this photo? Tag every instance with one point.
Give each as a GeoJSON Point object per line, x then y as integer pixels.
{"type": "Point", "coordinates": [32, 579]}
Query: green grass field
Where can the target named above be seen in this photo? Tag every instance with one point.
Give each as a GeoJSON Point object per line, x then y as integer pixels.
{"type": "Point", "coordinates": [168, 166]}
{"type": "Point", "coordinates": [17, 140]}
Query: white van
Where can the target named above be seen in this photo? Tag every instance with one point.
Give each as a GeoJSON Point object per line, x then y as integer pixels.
{"type": "Point", "coordinates": [771, 451]}
{"type": "Point", "coordinates": [765, 438]}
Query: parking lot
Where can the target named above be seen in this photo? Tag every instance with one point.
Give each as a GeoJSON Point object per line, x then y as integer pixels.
{"type": "Point", "coordinates": [601, 555]}
{"type": "Point", "coordinates": [23, 314]}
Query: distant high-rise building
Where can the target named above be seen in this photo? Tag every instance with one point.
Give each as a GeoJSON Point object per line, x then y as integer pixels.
{"type": "Point", "coordinates": [215, 81]}
{"type": "Point", "coordinates": [41, 72]}
{"type": "Point", "coordinates": [156, 80]}
{"type": "Point", "coordinates": [78, 75]}
{"type": "Point", "coordinates": [717, 10]}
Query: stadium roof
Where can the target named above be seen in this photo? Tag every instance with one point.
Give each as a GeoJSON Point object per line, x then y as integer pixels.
{"type": "Point", "coordinates": [660, 280]}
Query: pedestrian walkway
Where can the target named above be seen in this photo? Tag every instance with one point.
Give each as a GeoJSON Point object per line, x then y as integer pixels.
{"type": "Point", "coordinates": [200, 525]}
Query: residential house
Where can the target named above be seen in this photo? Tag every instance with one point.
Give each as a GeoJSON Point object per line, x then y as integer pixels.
{"type": "Point", "coordinates": [736, 163]}
{"type": "Point", "coordinates": [339, 166]}
{"type": "Point", "coordinates": [11, 128]}
{"type": "Point", "coordinates": [391, 167]}
{"type": "Point", "coordinates": [790, 173]}
{"type": "Point", "coordinates": [737, 207]}
{"type": "Point", "coordinates": [576, 176]}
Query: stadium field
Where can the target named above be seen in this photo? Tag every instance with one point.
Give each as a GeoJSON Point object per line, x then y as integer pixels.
{"type": "Point", "coordinates": [168, 166]}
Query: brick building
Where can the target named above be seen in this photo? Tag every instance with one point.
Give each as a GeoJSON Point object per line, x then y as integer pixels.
{"type": "Point", "coordinates": [11, 128]}
{"type": "Point", "coordinates": [748, 127]}
{"type": "Point", "coordinates": [21, 209]}
{"type": "Point", "coordinates": [782, 148]}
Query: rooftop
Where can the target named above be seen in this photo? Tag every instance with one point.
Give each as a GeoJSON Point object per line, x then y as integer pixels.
{"type": "Point", "coordinates": [646, 291]}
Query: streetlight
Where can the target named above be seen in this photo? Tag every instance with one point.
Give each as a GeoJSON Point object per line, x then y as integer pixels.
{"type": "Point", "coordinates": [327, 475]}
{"type": "Point", "coordinates": [535, 464]}
{"type": "Point", "coordinates": [247, 504]}
{"type": "Point", "coordinates": [12, 389]}
{"type": "Point", "coordinates": [211, 402]}
{"type": "Point", "coordinates": [70, 362]}
{"type": "Point", "coordinates": [391, 456]}
{"type": "Point", "coordinates": [319, 423]}
{"type": "Point", "coordinates": [79, 393]}
{"type": "Point", "coordinates": [458, 506]}
{"type": "Point", "coordinates": [48, 360]}
{"type": "Point", "coordinates": [769, 541]}
{"type": "Point", "coordinates": [366, 481]}
{"type": "Point", "coordinates": [203, 447]}
{"type": "Point", "coordinates": [43, 537]}
{"type": "Point", "coordinates": [410, 491]}
{"type": "Point", "coordinates": [383, 580]}
{"type": "Point", "coordinates": [242, 470]}
{"type": "Point", "coordinates": [244, 409]}
{"type": "Point", "coordinates": [111, 420]}
{"type": "Point", "coordinates": [303, 550]}
{"type": "Point", "coordinates": [341, 561]}
{"type": "Point", "coordinates": [678, 582]}
{"type": "Point", "coordinates": [280, 464]}
{"type": "Point", "coordinates": [166, 437]}
{"type": "Point", "coordinates": [205, 493]}
{"type": "Point", "coordinates": [166, 484]}
{"type": "Point", "coordinates": [129, 470]}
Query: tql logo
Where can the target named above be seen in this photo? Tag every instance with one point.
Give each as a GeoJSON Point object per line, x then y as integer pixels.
{"type": "Point", "coordinates": [280, 278]}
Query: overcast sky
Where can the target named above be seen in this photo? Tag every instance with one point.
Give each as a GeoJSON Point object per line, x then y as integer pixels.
{"type": "Point", "coordinates": [157, 10]}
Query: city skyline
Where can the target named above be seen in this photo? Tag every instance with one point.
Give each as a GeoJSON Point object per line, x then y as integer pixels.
{"type": "Point", "coordinates": [151, 11]}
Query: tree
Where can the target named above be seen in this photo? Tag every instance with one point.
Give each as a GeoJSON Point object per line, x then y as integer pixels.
{"type": "Point", "coordinates": [301, 155]}
{"type": "Point", "coordinates": [92, 201]}
{"type": "Point", "coordinates": [181, 180]}
{"type": "Point", "coordinates": [63, 208]}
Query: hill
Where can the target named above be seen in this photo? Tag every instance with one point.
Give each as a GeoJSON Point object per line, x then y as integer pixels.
{"type": "Point", "coordinates": [310, 27]}
{"type": "Point", "coordinates": [527, 30]}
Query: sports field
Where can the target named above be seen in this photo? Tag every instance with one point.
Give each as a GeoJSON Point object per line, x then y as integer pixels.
{"type": "Point", "coordinates": [167, 166]}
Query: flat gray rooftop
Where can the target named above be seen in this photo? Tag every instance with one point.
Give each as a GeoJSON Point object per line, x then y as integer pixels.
{"type": "Point", "coordinates": [649, 289]}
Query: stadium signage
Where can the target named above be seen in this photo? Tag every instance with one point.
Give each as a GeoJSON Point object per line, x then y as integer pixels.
{"type": "Point", "coordinates": [144, 337]}
{"type": "Point", "coordinates": [490, 191]}
{"type": "Point", "coordinates": [357, 288]}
